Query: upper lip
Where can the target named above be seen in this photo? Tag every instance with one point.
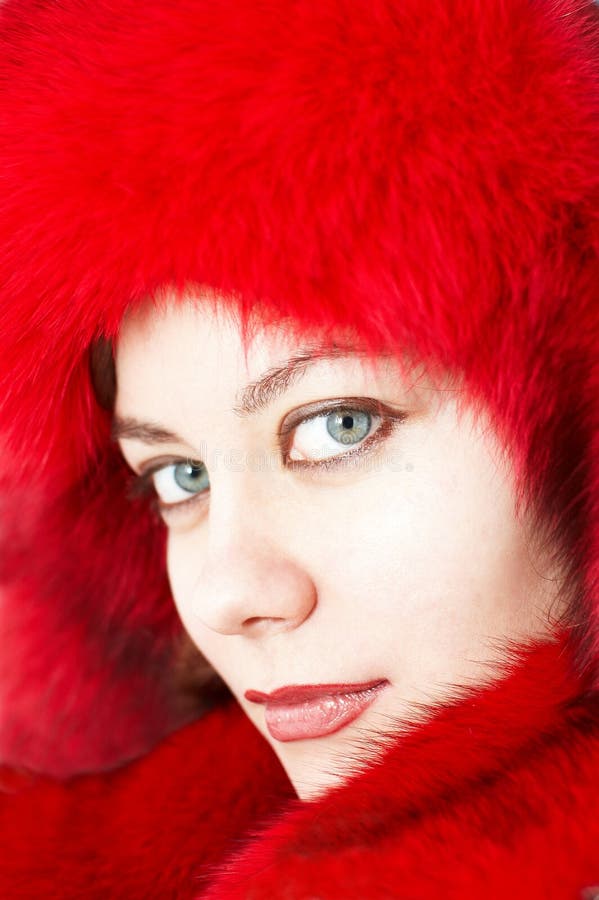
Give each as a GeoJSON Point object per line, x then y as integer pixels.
{"type": "Point", "coordinates": [296, 693]}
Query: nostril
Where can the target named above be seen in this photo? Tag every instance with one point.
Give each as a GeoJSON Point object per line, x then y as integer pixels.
{"type": "Point", "coordinates": [258, 624]}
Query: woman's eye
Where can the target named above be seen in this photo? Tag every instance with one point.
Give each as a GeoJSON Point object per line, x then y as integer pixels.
{"type": "Point", "coordinates": [179, 481]}
{"type": "Point", "coordinates": [324, 436]}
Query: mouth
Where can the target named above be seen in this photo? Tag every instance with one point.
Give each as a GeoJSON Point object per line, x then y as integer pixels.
{"type": "Point", "coordinates": [308, 711]}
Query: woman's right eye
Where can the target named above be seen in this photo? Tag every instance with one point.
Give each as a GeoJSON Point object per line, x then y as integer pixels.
{"type": "Point", "coordinates": [178, 482]}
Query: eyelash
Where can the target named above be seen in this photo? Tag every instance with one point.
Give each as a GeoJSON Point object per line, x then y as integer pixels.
{"type": "Point", "coordinates": [142, 485]}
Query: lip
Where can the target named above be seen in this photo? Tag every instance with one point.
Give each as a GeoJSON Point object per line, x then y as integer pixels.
{"type": "Point", "coordinates": [314, 710]}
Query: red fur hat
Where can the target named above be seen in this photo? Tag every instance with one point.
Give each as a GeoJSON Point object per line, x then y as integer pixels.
{"type": "Point", "coordinates": [423, 173]}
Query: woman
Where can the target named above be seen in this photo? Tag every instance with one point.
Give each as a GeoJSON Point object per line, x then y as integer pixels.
{"type": "Point", "coordinates": [299, 403]}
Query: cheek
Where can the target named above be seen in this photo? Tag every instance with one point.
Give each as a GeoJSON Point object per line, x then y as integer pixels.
{"type": "Point", "coordinates": [368, 554]}
{"type": "Point", "coordinates": [184, 573]}
{"type": "Point", "coordinates": [433, 550]}
{"type": "Point", "coordinates": [182, 576]}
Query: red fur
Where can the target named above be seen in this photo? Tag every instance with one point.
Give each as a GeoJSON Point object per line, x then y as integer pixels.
{"type": "Point", "coordinates": [424, 173]}
{"type": "Point", "coordinates": [460, 807]}
{"type": "Point", "coordinates": [495, 796]}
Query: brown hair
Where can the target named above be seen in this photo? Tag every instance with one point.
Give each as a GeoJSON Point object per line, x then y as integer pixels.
{"type": "Point", "coordinates": [196, 686]}
{"type": "Point", "coordinates": [103, 372]}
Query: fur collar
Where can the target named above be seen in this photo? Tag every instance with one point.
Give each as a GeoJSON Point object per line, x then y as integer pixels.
{"type": "Point", "coordinates": [495, 796]}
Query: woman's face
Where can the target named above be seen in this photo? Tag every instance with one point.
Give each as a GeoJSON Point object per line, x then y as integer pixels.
{"type": "Point", "coordinates": [333, 525]}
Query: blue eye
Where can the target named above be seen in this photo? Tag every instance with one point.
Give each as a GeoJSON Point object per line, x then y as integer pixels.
{"type": "Point", "coordinates": [180, 481]}
{"type": "Point", "coordinates": [319, 437]}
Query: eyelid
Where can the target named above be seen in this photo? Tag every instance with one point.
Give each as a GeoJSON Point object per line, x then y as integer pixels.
{"type": "Point", "coordinates": [141, 485]}
{"type": "Point", "coordinates": [322, 407]}
{"type": "Point", "coordinates": [160, 462]}
{"type": "Point", "coordinates": [390, 416]}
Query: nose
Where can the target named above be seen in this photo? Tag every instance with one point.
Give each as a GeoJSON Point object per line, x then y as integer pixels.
{"type": "Point", "coordinates": [250, 587]}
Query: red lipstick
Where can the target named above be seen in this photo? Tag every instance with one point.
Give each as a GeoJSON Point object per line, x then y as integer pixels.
{"type": "Point", "coordinates": [313, 710]}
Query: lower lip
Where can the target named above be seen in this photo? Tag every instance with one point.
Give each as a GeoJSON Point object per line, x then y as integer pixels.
{"type": "Point", "coordinates": [319, 716]}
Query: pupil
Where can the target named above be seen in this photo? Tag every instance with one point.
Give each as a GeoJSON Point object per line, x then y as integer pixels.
{"type": "Point", "coordinates": [347, 421]}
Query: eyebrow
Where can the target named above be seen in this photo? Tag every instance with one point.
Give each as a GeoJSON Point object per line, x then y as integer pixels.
{"type": "Point", "coordinates": [255, 397]}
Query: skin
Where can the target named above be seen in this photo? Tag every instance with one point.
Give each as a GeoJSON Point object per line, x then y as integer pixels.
{"type": "Point", "coordinates": [408, 563]}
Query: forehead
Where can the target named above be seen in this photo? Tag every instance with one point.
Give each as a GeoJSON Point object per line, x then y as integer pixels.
{"type": "Point", "coordinates": [188, 367]}
{"type": "Point", "coordinates": [203, 346]}
{"type": "Point", "coordinates": [177, 331]}
{"type": "Point", "coordinates": [200, 332]}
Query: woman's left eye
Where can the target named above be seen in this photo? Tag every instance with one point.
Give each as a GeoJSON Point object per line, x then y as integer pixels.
{"type": "Point", "coordinates": [334, 434]}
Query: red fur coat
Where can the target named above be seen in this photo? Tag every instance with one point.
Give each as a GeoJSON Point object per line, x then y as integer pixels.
{"type": "Point", "coordinates": [495, 797]}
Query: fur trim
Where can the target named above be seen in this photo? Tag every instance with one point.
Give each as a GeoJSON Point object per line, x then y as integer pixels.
{"type": "Point", "coordinates": [494, 796]}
